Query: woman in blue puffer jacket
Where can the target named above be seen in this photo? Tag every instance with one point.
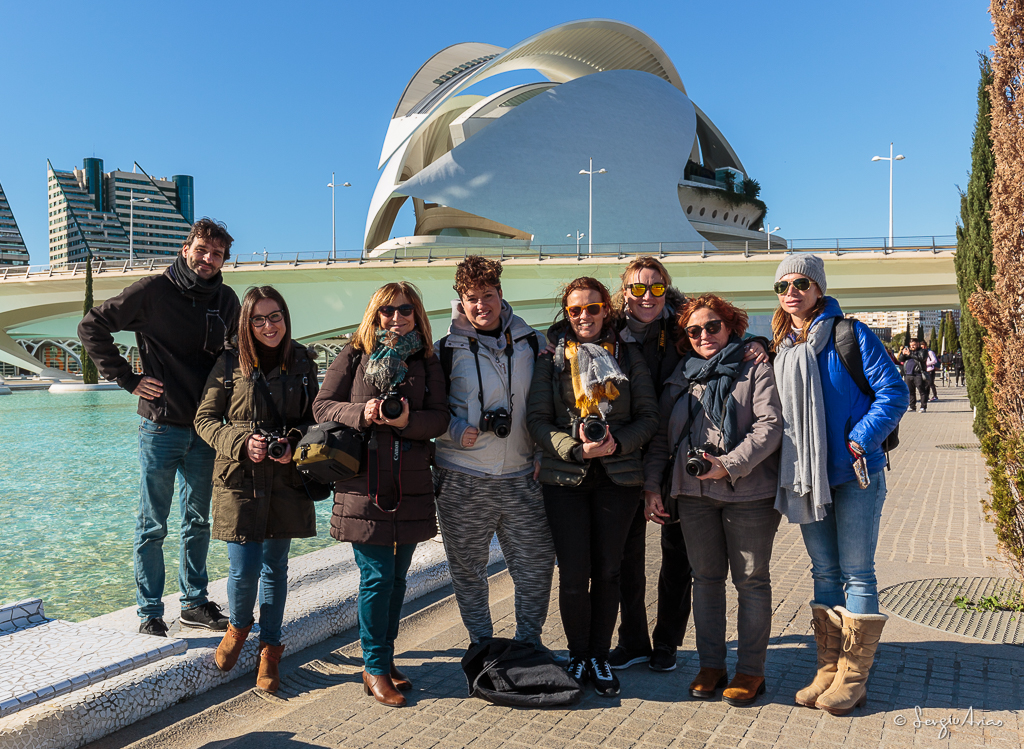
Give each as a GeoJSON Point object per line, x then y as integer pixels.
{"type": "Point", "coordinates": [831, 474]}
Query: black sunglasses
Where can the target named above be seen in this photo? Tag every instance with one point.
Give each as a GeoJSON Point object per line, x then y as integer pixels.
{"type": "Point", "coordinates": [800, 284]}
{"type": "Point", "coordinates": [388, 310]}
{"type": "Point", "coordinates": [258, 321]}
{"type": "Point", "coordinates": [711, 326]}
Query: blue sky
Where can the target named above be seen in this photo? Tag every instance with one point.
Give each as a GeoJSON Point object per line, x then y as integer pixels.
{"type": "Point", "coordinates": [260, 102]}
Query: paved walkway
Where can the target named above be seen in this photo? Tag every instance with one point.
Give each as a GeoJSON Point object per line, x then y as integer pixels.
{"type": "Point", "coordinates": [933, 526]}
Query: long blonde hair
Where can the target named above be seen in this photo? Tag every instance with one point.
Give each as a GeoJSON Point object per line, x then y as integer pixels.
{"type": "Point", "coordinates": [365, 337]}
{"type": "Point", "coordinates": [782, 323]}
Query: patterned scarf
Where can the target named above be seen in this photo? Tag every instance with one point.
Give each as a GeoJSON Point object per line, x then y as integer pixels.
{"type": "Point", "coordinates": [594, 375]}
{"type": "Point", "coordinates": [387, 367]}
{"type": "Point", "coordinates": [719, 374]}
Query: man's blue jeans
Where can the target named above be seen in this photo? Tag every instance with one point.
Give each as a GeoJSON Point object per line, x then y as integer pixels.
{"type": "Point", "coordinates": [842, 547]}
{"type": "Point", "coordinates": [382, 571]}
{"type": "Point", "coordinates": [166, 451]}
{"type": "Point", "coordinates": [262, 566]}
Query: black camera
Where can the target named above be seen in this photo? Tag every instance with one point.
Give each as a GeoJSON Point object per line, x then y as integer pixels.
{"type": "Point", "coordinates": [391, 405]}
{"type": "Point", "coordinates": [275, 449]}
{"type": "Point", "coordinates": [497, 420]}
{"type": "Point", "coordinates": [595, 428]}
{"type": "Point", "coordinates": [696, 463]}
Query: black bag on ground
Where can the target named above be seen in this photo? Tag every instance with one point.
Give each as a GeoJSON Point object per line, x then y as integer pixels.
{"type": "Point", "coordinates": [516, 674]}
{"type": "Point", "coordinates": [330, 452]}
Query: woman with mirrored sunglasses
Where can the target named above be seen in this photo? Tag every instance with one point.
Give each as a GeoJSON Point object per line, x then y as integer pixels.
{"type": "Point", "coordinates": [713, 465]}
{"type": "Point", "coordinates": [831, 472]}
{"type": "Point", "coordinates": [591, 408]}
{"type": "Point", "coordinates": [388, 383]}
{"type": "Point", "coordinates": [257, 404]}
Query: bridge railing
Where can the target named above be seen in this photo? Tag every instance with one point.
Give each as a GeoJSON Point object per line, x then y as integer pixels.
{"type": "Point", "coordinates": [581, 252]}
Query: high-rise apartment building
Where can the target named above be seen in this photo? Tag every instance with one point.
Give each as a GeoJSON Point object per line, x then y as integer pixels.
{"type": "Point", "coordinates": [12, 247]}
{"type": "Point", "coordinates": [897, 320]}
{"type": "Point", "coordinates": [92, 213]}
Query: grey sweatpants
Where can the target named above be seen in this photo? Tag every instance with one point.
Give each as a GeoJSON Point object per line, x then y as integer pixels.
{"type": "Point", "coordinates": [470, 511]}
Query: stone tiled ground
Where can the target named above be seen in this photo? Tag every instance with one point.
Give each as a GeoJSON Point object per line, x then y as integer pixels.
{"type": "Point", "coordinates": [932, 526]}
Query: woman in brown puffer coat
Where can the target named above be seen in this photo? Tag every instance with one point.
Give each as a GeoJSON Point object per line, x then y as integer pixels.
{"type": "Point", "coordinates": [389, 508]}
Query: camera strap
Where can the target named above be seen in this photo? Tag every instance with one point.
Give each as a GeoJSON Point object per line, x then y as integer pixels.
{"type": "Point", "coordinates": [260, 383]}
{"type": "Point", "coordinates": [685, 432]}
{"type": "Point", "coordinates": [474, 346]}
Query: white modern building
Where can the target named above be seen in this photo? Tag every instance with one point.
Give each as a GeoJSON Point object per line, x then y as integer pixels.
{"type": "Point", "coordinates": [12, 246]}
{"type": "Point", "coordinates": [513, 166]}
{"type": "Point", "coordinates": [897, 320]}
{"type": "Point", "coordinates": [92, 212]}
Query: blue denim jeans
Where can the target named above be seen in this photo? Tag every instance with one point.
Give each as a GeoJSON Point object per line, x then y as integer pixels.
{"type": "Point", "coordinates": [382, 571]}
{"type": "Point", "coordinates": [264, 566]}
{"type": "Point", "coordinates": [842, 547]}
{"type": "Point", "coordinates": [166, 452]}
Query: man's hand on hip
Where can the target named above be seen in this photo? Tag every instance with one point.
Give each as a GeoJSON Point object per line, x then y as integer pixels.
{"type": "Point", "coordinates": [150, 388]}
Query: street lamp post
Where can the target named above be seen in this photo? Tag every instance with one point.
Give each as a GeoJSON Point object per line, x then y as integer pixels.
{"type": "Point", "coordinates": [890, 158]}
{"type": "Point", "coordinates": [769, 231]}
{"type": "Point", "coordinates": [131, 224]}
{"type": "Point", "coordinates": [579, 236]}
{"type": "Point", "coordinates": [590, 221]}
{"type": "Point", "coordinates": [334, 232]}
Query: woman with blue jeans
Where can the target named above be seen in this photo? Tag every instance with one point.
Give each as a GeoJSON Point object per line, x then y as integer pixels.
{"type": "Point", "coordinates": [831, 473]}
{"type": "Point", "coordinates": [265, 387]}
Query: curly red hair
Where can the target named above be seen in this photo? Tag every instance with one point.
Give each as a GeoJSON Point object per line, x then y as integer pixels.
{"type": "Point", "coordinates": [734, 318]}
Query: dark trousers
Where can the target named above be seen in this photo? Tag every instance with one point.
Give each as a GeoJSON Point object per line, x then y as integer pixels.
{"type": "Point", "coordinates": [633, 634]}
{"type": "Point", "coordinates": [930, 376]}
{"type": "Point", "coordinates": [589, 524]}
{"type": "Point", "coordinates": [917, 384]}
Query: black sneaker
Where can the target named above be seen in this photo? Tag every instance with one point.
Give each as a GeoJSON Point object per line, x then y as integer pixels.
{"type": "Point", "coordinates": [621, 658]}
{"type": "Point", "coordinates": [577, 669]}
{"type": "Point", "coordinates": [663, 658]}
{"type": "Point", "coordinates": [206, 615]}
{"type": "Point", "coordinates": [606, 683]}
{"type": "Point", "coordinates": [154, 626]}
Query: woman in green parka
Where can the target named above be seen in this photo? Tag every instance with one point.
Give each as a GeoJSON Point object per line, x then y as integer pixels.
{"type": "Point", "coordinates": [257, 404]}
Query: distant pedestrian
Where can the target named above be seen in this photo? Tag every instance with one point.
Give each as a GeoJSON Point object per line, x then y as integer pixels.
{"type": "Point", "coordinates": [913, 360]}
{"type": "Point", "coordinates": [958, 368]}
{"type": "Point", "coordinates": [930, 370]}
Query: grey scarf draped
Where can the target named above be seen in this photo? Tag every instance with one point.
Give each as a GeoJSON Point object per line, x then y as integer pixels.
{"type": "Point", "coordinates": [803, 492]}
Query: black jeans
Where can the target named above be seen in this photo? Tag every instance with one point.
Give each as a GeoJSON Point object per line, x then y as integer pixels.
{"type": "Point", "coordinates": [917, 384]}
{"type": "Point", "coordinates": [675, 586]}
{"type": "Point", "coordinates": [589, 523]}
{"type": "Point", "coordinates": [633, 635]}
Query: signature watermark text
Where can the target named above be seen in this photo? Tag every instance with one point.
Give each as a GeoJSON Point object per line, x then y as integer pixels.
{"type": "Point", "coordinates": [968, 720]}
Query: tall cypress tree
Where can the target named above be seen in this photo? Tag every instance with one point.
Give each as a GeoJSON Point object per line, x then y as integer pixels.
{"type": "Point", "coordinates": [933, 340]}
{"type": "Point", "coordinates": [920, 332]}
{"type": "Point", "coordinates": [974, 266]}
{"type": "Point", "coordinates": [89, 374]}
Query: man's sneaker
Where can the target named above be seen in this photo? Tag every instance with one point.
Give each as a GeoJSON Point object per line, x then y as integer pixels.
{"type": "Point", "coordinates": [577, 669]}
{"type": "Point", "coordinates": [206, 615]}
{"type": "Point", "coordinates": [621, 658]}
{"type": "Point", "coordinates": [154, 626]}
{"type": "Point", "coordinates": [606, 683]}
{"type": "Point", "coordinates": [663, 658]}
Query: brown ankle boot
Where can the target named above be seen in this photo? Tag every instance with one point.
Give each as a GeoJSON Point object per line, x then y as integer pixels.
{"type": "Point", "coordinates": [230, 647]}
{"type": "Point", "coordinates": [400, 680]}
{"type": "Point", "coordinates": [861, 633]}
{"type": "Point", "coordinates": [383, 689]}
{"type": "Point", "coordinates": [269, 677]}
{"type": "Point", "coordinates": [828, 636]}
{"type": "Point", "coordinates": [743, 690]}
{"type": "Point", "coordinates": [708, 682]}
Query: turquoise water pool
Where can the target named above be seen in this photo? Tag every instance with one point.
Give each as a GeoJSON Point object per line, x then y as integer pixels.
{"type": "Point", "coordinates": [69, 487]}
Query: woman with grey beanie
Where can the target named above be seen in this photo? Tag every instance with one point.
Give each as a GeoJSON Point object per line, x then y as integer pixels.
{"type": "Point", "coordinates": [831, 470]}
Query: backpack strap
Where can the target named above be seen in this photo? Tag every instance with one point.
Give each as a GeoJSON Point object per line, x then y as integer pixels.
{"type": "Point", "coordinates": [446, 362]}
{"type": "Point", "coordinates": [844, 338]}
{"type": "Point", "coordinates": [229, 369]}
{"type": "Point", "coordinates": [531, 338]}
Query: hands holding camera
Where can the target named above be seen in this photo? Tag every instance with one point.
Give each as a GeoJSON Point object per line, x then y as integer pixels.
{"type": "Point", "coordinates": [372, 414]}
{"type": "Point", "coordinates": [717, 470]}
{"type": "Point", "coordinates": [597, 449]}
{"type": "Point", "coordinates": [257, 447]}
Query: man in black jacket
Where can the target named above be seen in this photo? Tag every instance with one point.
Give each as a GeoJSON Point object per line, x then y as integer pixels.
{"type": "Point", "coordinates": [181, 320]}
{"type": "Point", "coordinates": [913, 361]}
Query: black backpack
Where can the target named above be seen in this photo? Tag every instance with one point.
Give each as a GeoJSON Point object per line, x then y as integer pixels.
{"type": "Point", "coordinates": [516, 674]}
{"type": "Point", "coordinates": [844, 338]}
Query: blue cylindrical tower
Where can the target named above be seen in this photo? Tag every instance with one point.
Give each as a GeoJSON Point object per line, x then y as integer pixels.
{"type": "Point", "coordinates": [186, 196]}
{"type": "Point", "coordinates": [93, 169]}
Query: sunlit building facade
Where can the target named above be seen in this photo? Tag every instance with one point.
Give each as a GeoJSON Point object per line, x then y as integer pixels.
{"type": "Point", "coordinates": [12, 246]}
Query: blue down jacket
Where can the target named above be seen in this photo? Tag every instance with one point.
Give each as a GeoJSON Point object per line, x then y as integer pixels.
{"type": "Point", "coordinates": [851, 415]}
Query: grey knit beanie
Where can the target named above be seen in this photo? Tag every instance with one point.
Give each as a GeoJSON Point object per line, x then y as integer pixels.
{"type": "Point", "coordinates": [808, 265]}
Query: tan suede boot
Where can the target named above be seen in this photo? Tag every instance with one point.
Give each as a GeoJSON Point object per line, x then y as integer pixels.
{"type": "Point", "coordinates": [861, 633]}
{"type": "Point", "coordinates": [230, 647]}
{"type": "Point", "coordinates": [269, 678]}
{"type": "Point", "coordinates": [828, 631]}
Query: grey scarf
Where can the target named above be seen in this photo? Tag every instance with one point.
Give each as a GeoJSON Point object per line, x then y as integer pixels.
{"type": "Point", "coordinates": [803, 492]}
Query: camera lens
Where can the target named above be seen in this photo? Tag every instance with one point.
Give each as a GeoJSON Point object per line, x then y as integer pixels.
{"type": "Point", "coordinates": [391, 406]}
{"type": "Point", "coordinates": [595, 430]}
{"type": "Point", "coordinates": [277, 449]}
{"type": "Point", "coordinates": [501, 429]}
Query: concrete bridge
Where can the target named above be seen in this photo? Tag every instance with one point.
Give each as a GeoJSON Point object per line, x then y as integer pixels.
{"type": "Point", "coordinates": [327, 297]}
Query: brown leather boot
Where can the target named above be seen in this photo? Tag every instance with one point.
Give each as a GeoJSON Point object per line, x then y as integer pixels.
{"type": "Point", "coordinates": [743, 690]}
{"type": "Point", "coordinates": [861, 633]}
{"type": "Point", "coordinates": [708, 682]}
{"type": "Point", "coordinates": [383, 689]}
{"type": "Point", "coordinates": [269, 677]}
{"type": "Point", "coordinates": [400, 680]}
{"type": "Point", "coordinates": [230, 647]}
{"type": "Point", "coordinates": [828, 636]}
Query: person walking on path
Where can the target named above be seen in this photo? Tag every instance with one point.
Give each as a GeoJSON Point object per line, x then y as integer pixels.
{"type": "Point", "coordinates": [181, 320]}
{"type": "Point", "coordinates": [913, 360]}
{"type": "Point", "coordinates": [930, 367]}
{"type": "Point", "coordinates": [591, 409]}
{"type": "Point", "coordinates": [958, 368]}
{"type": "Point", "coordinates": [487, 456]}
{"type": "Point", "coordinates": [259, 500]}
{"type": "Point", "coordinates": [388, 384]}
{"type": "Point", "coordinates": [831, 472]}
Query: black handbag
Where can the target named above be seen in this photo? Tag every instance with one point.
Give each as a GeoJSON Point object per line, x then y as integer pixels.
{"type": "Point", "coordinates": [330, 452]}
{"type": "Point", "coordinates": [516, 674]}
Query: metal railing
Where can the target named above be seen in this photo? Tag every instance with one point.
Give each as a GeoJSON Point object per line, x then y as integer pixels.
{"type": "Point", "coordinates": [521, 251]}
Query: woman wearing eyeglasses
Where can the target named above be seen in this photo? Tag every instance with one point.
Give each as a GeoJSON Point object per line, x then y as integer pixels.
{"type": "Point", "coordinates": [716, 453]}
{"type": "Point", "coordinates": [591, 408]}
{"type": "Point", "coordinates": [388, 383]}
{"type": "Point", "coordinates": [831, 477]}
{"type": "Point", "coordinates": [265, 387]}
